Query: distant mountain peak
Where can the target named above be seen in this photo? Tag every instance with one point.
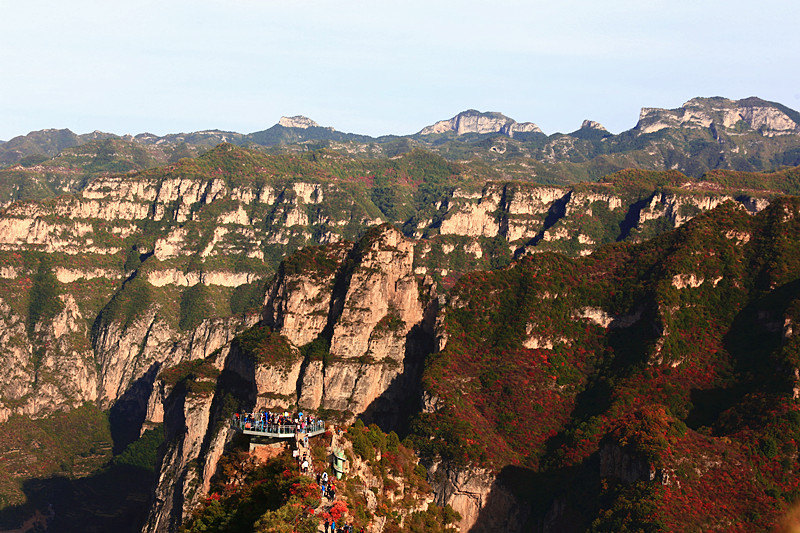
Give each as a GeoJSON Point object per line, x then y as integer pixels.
{"type": "Point", "coordinates": [474, 121]}
{"type": "Point", "coordinates": [592, 125]}
{"type": "Point", "coordinates": [297, 121]}
{"type": "Point", "coordinates": [748, 114]}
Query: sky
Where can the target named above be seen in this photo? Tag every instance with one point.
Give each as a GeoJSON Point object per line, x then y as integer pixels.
{"type": "Point", "coordinates": [170, 66]}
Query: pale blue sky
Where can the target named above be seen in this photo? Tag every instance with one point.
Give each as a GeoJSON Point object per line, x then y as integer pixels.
{"type": "Point", "coordinates": [376, 67]}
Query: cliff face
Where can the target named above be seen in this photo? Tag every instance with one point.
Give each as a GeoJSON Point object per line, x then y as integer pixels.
{"type": "Point", "coordinates": [483, 503]}
{"type": "Point", "coordinates": [363, 301]}
{"type": "Point", "coordinates": [297, 121]}
{"type": "Point", "coordinates": [574, 220]}
{"type": "Point", "coordinates": [473, 121]}
{"type": "Point", "coordinates": [211, 230]}
{"type": "Point", "coordinates": [750, 114]}
{"type": "Point", "coordinates": [50, 365]}
{"type": "Point", "coordinates": [357, 320]}
{"type": "Point", "coordinates": [702, 135]}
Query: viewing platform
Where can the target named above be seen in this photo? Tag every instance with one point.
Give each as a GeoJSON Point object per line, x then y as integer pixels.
{"type": "Point", "coordinates": [284, 431]}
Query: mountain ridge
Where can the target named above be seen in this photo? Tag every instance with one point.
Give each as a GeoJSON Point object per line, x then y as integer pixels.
{"type": "Point", "coordinates": [705, 134]}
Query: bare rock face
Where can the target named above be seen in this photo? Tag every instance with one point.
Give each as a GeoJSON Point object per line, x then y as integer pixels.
{"type": "Point", "coordinates": [277, 384]}
{"type": "Point", "coordinates": [299, 299]}
{"type": "Point", "coordinates": [382, 301]}
{"type": "Point", "coordinates": [126, 353]}
{"type": "Point", "coordinates": [61, 376]}
{"type": "Point", "coordinates": [16, 356]}
{"type": "Point", "coordinates": [364, 299]}
{"type": "Point", "coordinates": [312, 385]}
{"type": "Point", "coordinates": [472, 121]}
{"type": "Point", "coordinates": [592, 125]}
{"type": "Point", "coordinates": [179, 485]}
{"type": "Point", "coordinates": [750, 114]}
{"type": "Point", "coordinates": [484, 504]}
{"type": "Point", "coordinates": [297, 121]}
{"type": "Point", "coordinates": [70, 360]}
{"type": "Point", "coordinates": [474, 218]}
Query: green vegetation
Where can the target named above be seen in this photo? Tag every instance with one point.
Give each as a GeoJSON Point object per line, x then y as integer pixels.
{"type": "Point", "coordinates": [397, 467]}
{"type": "Point", "coordinates": [195, 306]}
{"type": "Point", "coordinates": [198, 376]}
{"type": "Point", "coordinates": [267, 347]}
{"type": "Point", "coordinates": [659, 352]}
{"type": "Point", "coordinates": [675, 351]}
{"type": "Point", "coordinates": [273, 498]}
{"type": "Point", "coordinates": [71, 444]}
{"type": "Point", "coordinates": [317, 350]}
{"type": "Point", "coordinates": [434, 519]}
{"type": "Point", "coordinates": [143, 452]}
{"type": "Point", "coordinates": [132, 260]}
{"type": "Point", "coordinates": [44, 302]}
{"type": "Point", "coordinates": [247, 298]}
{"type": "Point", "coordinates": [130, 302]}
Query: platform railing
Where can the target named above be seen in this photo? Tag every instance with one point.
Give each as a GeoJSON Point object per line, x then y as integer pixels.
{"type": "Point", "coordinates": [257, 427]}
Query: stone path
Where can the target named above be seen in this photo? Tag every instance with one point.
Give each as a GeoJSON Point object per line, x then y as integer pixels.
{"type": "Point", "coordinates": [305, 451]}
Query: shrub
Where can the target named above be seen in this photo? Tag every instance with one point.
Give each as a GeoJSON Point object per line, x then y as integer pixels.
{"type": "Point", "coordinates": [247, 298]}
{"type": "Point", "coordinates": [143, 452]}
{"type": "Point", "coordinates": [198, 375]}
{"type": "Point", "coordinates": [769, 447]}
{"type": "Point", "coordinates": [130, 302]}
{"type": "Point", "coordinates": [317, 350]}
{"type": "Point", "coordinates": [195, 306]}
{"type": "Point", "coordinates": [44, 302]}
{"type": "Point", "coordinates": [266, 346]}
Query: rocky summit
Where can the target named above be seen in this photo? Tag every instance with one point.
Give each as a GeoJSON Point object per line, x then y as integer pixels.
{"type": "Point", "coordinates": [767, 118]}
{"type": "Point", "coordinates": [492, 340]}
{"type": "Point", "coordinates": [472, 121]}
{"type": "Point", "coordinates": [297, 121]}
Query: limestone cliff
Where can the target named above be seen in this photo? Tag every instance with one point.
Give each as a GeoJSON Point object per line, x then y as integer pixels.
{"type": "Point", "coordinates": [592, 125]}
{"type": "Point", "coordinates": [160, 236]}
{"type": "Point", "coordinates": [365, 304]}
{"type": "Point", "coordinates": [363, 301]}
{"type": "Point", "coordinates": [576, 220]}
{"type": "Point", "coordinates": [472, 121]}
{"type": "Point", "coordinates": [750, 114]}
{"type": "Point", "coordinates": [297, 121]}
{"type": "Point", "coordinates": [484, 503]}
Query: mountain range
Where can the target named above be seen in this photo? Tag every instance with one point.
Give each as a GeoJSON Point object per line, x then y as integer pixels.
{"type": "Point", "coordinates": [703, 134]}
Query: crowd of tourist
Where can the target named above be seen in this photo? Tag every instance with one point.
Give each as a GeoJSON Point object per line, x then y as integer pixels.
{"type": "Point", "coordinates": [270, 422]}
{"type": "Point", "coordinates": [302, 456]}
{"type": "Point", "coordinates": [300, 425]}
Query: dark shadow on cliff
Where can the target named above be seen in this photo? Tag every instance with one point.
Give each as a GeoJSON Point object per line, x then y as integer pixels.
{"type": "Point", "coordinates": [235, 393]}
{"type": "Point", "coordinates": [756, 335]}
{"type": "Point", "coordinates": [633, 344]}
{"type": "Point", "coordinates": [522, 500]}
{"type": "Point", "coordinates": [557, 211]}
{"type": "Point", "coordinates": [754, 342]}
{"type": "Point", "coordinates": [392, 410]}
{"type": "Point", "coordinates": [115, 499]}
{"type": "Point", "coordinates": [631, 219]}
{"type": "Point", "coordinates": [128, 413]}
